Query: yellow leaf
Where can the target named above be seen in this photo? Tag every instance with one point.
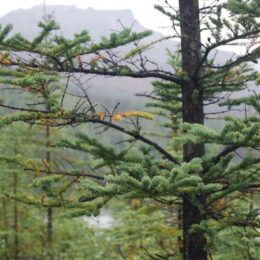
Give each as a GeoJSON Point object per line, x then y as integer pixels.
{"type": "Point", "coordinates": [117, 117]}
{"type": "Point", "coordinates": [126, 114]}
{"type": "Point", "coordinates": [136, 203]}
{"type": "Point", "coordinates": [47, 165]}
{"type": "Point", "coordinates": [4, 60]}
{"type": "Point", "coordinates": [225, 213]}
{"type": "Point", "coordinates": [101, 115]}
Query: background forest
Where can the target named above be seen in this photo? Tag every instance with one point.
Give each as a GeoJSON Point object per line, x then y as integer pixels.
{"type": "Point", "coordinates": [95, 138]}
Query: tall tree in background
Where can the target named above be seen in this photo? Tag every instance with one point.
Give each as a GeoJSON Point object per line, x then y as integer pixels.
{"type": "Point", "coordinates": [209, 186]}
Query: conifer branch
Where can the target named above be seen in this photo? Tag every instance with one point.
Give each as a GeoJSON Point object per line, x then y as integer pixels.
{"type": "Point", "coordinates": [136, 136]}
{"type": "Point", "coordinates": [67, 173]}
{"type": "Point", "coordinates": [223, 43]}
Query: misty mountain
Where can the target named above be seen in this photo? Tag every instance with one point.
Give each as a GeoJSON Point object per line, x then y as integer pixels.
{"type": "Point", "coordinates": [71, 20]}
{"type": "Point", "coordinates": [99, 23]}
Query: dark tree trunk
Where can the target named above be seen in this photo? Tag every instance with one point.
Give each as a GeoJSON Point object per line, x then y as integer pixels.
{"type": "Point", "coordinates": [5, 228]}
{"type": "Point", "coordinates": [50, 210]}
{"type": "Point", "coordinates": [192, 97]}
{"type": "Point", "coordinates": [49, 213]}
{"type": "Point", "coordinates": [16, 241]}
{"type": "Point", "coordinates": [48, 160]}
{"type": "Point", "coordinates": [49, 226]}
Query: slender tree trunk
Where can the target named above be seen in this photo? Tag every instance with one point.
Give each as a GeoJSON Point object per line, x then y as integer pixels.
{"type": "Point", "coordinates": [16, 241]}
{"type": "Point", "coordinates": [194, 245]}
{"type": "Point", "coordinates": [49, 212]}
{"type": "Point", "coordinates": [5, 227]}
{"type": "Point", "coordinates": [49, 226]}
{"type": "Point", "coordinates": [48, 160]}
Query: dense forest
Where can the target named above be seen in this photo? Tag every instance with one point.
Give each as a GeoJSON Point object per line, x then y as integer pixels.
{"type": "Point", "coordinates": [131, 145]}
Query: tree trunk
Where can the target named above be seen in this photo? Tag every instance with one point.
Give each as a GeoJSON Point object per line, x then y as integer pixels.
{"type": "Point", "coordinates": [49, 212]}
{"type": "Point", "coordinates": [5, 228]}
{"type": "Point", "coordinates": [49, 226]}
{"type": "Point", "coordinates": [194, 245]}
{"type": "Point", "coordinates": [16, 241]}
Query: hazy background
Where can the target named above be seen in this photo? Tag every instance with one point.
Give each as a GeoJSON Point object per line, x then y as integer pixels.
{"type": "Point", "coordinates": [143, 10]}
{"type": "Point", "coordinates": [100, 17]}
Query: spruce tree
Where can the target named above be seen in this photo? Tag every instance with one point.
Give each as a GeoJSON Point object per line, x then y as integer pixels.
{"type": "Point", "coordinates": [208, 185]}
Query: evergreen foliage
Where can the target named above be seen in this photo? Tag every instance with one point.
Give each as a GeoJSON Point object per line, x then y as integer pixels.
{"type": "Point", "coordinates": [215, 188]}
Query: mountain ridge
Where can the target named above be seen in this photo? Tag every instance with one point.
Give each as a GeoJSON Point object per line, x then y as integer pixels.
{"type": "Point", "coordinates": [99, 23]}
{"type": "Point", "coordinates": [71, 19]}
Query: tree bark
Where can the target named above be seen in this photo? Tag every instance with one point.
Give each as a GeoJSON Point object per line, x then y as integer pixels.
{"type": "Point", "coordinates": [50, 210]}
{"type": "Point", "coordinates": [16, 241]}
{"type": "Point", "coordinates": [49, 226]}
{"type": "Point", "coordinates": [194, 245]}
{"type": "Point", "coordinates": [5, 228]}
{"type": "Point", "coordinates": [46, 95]}
{"type": "Point", "coordinates": [49, 213]}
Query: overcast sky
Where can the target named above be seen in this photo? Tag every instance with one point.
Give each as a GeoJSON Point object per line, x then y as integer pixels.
{"type": "Point", "coordinates": [143, 10]}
